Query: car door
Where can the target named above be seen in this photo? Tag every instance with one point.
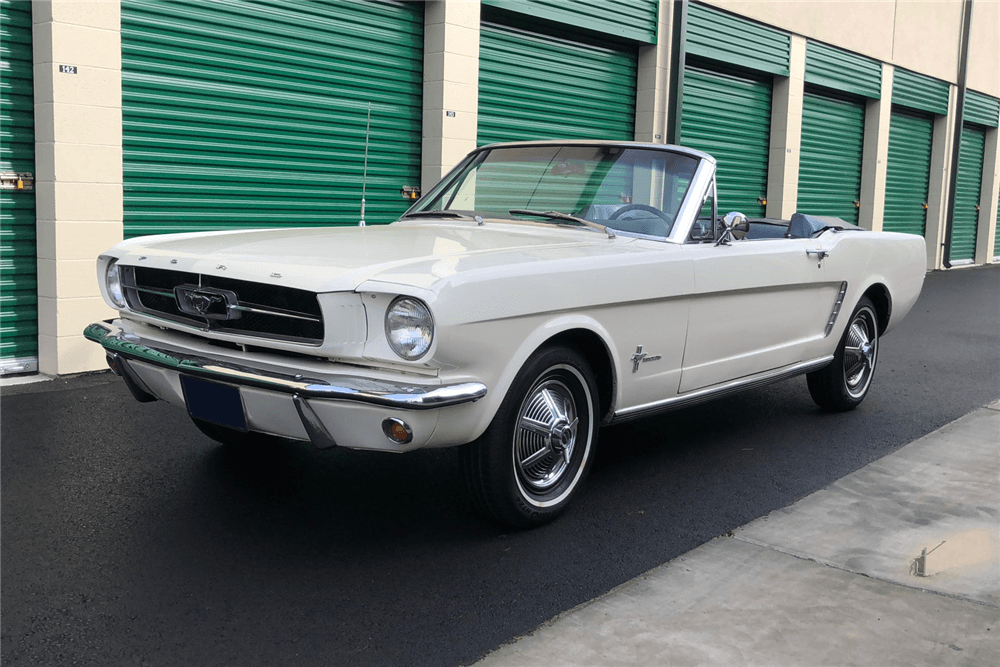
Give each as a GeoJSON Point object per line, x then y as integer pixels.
{"type": "Point", "coordinates": [757, 305]}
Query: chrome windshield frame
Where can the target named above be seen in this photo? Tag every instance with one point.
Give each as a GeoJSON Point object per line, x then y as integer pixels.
{"type": "Point", "coordinates": [687, 213]}
{"type": "Point", "coordinates": [700, 188]}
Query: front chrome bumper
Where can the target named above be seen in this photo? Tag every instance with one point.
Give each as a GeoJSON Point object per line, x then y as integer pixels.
{"type": "Point", "coordinates": [374, 392]}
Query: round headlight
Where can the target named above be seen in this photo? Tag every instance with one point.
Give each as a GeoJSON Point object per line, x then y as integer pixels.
{"type": "Point", "coordinates": [113, 280]}
{"type": "Point", "coordinates": [409, 328]}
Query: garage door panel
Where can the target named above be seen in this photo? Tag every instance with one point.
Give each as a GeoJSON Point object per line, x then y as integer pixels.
{"type": "Point", "coordinates": [253, 114]}
{"type": "Point", "coordinates": [908, 173]}
{"type": "Point", "coordinates": [728, 115]}
{"type": "Point", "coordinates": [539, 86]}
{"type": "Point", "coordinates": [18, 264]}
{"type": "Point", "coordinates": [967, 194]}
{"type": "Point", "coordinates": [831, 153]}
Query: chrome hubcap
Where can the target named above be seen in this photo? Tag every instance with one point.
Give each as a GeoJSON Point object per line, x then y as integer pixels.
{"type": "Point", "coordinates": [860, 352]}
{"type": "Point", "coordinates": [545, 435]}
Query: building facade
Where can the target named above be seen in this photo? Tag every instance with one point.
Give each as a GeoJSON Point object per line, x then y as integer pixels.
{"type": "Point", "coordinates": [129, 117]}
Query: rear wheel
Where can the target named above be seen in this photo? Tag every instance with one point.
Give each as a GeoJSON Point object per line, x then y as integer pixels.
{"type": "Point", "coordinates": [524, 470]}
{"type": "Point", "coordinates": [845, 382]}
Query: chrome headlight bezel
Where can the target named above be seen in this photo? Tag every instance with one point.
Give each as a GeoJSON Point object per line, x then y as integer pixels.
{"type": "Point", "coordinates": [409, 327]}
{"type": "Point", "coordinates": [113, 285]}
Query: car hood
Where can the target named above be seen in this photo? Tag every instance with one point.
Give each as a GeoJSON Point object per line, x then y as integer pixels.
{"type": "Point", "coordinates": [328, 259]}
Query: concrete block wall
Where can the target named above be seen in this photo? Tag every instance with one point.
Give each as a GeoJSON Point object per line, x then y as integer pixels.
{"type": "Point", "coordinates": [451, 86]}
{"type": "Point", "coordinates": [78, 136]}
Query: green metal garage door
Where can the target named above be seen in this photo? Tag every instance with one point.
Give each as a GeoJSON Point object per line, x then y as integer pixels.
{"type": "Point", "coordinates": [967, 192]}
{"type": "Point", "coordinates": [907, 172]}
{"type": "Point", "coordinates": [252, 113]}
{"type": "Point", "coordinates": [830, 160]}
{"type": "Point", "coordinates": [18, 268]}
{"type": "Point", "coordinates": [535, 86]}
{"type": "Point", "coordinates": [740, 141]}
{"type": "Point", "coordinates": [996, 233]}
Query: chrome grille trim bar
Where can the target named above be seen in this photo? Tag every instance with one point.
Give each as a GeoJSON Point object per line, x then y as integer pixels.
{"type": "Point", "coordinates": [276, 313]}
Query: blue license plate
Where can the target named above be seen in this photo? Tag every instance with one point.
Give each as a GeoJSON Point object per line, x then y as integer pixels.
{"type": "Point", "coordinates": [213, 402]}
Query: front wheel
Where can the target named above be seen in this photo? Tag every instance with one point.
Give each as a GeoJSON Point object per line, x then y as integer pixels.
{"type": "Point", "coordinates": [845, 382]}
{"type": "Point", "coordinates": [529, 463]}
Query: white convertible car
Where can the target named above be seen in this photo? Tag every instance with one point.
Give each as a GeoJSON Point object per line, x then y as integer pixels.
{"type": "Point", "coordinates": [539, 291]}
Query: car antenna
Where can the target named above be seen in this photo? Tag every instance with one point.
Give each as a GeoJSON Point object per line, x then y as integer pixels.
{"type": "Point", "coordinates": [364, 179]}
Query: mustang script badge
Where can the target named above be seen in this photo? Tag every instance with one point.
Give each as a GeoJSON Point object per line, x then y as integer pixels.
{"type": "Point", "coordinates": [207, 302]}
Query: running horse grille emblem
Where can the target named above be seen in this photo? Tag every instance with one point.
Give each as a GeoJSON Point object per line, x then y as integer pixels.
{"type": "Point", "coordinates": [207, 302]}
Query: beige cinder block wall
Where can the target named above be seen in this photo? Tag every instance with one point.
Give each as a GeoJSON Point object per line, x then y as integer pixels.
{"type": "Point", "coordinates": [652, 95]}
{"type": "Point", "coordinates": [878, 115]}
{"type": "Point", "coordinates": [786, 135]}
{"type": "Point", "coordinates": [78, 142]}
{"type": "Point", "coordinates": [451, 86]}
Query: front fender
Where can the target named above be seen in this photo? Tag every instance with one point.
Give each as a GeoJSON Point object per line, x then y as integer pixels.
{"type": "Point", "coordinates": [526, 335]}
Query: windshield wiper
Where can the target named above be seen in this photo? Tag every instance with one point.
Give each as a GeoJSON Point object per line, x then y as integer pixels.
{"type": "Point", "coordinates": [556, 215]}
{"type": "Point", "coordinates": [437, 213]}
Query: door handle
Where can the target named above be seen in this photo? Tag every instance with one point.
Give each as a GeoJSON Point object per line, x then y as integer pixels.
{"type": "Point", "coordinates": [820, 254]}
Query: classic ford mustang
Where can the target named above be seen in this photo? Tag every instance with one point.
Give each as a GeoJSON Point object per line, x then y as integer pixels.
{"type": "Point", "coordinates": [539, 291]}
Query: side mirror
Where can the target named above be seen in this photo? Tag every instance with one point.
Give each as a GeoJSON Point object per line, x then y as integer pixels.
{"type": "Point", "coordinates": [737, 225]}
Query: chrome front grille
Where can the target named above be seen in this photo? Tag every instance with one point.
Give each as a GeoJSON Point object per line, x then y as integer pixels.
{"type": "Point", "coordinates": [249, 308]}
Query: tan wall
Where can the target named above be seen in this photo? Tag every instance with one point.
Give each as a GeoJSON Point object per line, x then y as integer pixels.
{"type": "Point", "coordinates": [652, 98]}
{"type": "Point", "coordinates": [451, 86]}
{"type": "Point", "coordinates": [927, 37]}
{"type": "Point", "coordinates": [863, 26]}
{"type": "Point", "coordinates": [78, 146]}
{"type": "Point", "coordinates": [984, 48]}
{"type": "Point", "coordinates": [919, 35]}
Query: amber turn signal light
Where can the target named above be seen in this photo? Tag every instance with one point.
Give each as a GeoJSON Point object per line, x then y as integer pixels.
{"type": "Point", "coordinates": [397, 430]}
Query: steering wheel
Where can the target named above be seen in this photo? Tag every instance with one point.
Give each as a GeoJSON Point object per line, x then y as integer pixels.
{"type": "Point", "coordinates": [641, 207]}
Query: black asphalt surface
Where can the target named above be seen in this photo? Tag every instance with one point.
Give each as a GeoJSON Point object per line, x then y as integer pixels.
{"type": "Point", "coordinates": [128, 538]}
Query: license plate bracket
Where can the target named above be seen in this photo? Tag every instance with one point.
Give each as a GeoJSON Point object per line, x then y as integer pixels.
{"type": "Point", "coordinates": [214, 402]}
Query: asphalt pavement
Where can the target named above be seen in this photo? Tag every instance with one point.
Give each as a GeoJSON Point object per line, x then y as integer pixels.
{"type": "Point", "coordinates": [895, 564]}
{"type": "Point", "coordinates": [128, 538]}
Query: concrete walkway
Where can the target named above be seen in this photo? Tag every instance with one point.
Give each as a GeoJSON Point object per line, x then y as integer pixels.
{"type": "Point", "coordinates": [895, 564]}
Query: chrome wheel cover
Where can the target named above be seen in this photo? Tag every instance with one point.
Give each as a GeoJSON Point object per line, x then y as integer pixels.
{"type": "Point", "coordinates": [545, 436]}
{"type": "Point", "coordinates": [860, 352]}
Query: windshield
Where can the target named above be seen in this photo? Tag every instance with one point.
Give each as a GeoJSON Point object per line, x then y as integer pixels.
{"type": "Point", "coordinates": [633, 190]}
